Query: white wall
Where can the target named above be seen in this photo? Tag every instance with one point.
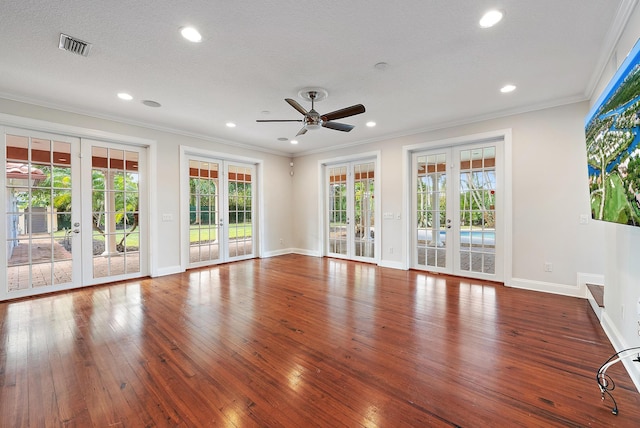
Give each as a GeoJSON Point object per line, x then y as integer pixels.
{"type": "Point", "coordinates": [550, 192]}
{"type": "Point", "coordinates": [276, 187]}
{"type": "Point", "coordinates": [622, 256]}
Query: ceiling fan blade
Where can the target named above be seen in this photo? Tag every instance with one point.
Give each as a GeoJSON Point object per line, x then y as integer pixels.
{"type": "Point", "coordinates": [345, 112]}
{"type": "Point", "coordinates": [302, 131]}
{"type": "Point", "coordinates": [338, 126]}
{"type": "Point", "coordinates": [279, 120]}
{"type": "Point", "coordinates": [295, 105]}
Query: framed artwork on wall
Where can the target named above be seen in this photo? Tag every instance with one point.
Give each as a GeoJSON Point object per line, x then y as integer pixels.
{"type": "Point", "coordinates": [612, 130]}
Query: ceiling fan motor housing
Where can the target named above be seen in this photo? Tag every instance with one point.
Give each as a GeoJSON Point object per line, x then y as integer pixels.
{"type": "Point", "coordinates": [312, 120]}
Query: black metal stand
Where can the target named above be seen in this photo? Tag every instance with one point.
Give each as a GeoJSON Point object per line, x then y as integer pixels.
{"type": "Point", "coordinates": [605, 382]}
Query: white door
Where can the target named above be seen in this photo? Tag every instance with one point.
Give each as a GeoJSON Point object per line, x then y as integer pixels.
{"type": "Point", "coordinates": [221, 211]}
{"type": "Point", "coordinates": [114, 212]}
{"type": "Point", "coordinates": [42, 201]}
{"type": "Point", "coordinates": [48, 214]}
{"type": "Point", "coordinates": [456, 209]}
{"type": "Point", "coordinates": [350, 214]}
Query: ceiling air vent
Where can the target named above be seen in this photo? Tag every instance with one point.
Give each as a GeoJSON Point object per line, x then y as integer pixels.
{"type": "Point", "coordinates": [74, 45]}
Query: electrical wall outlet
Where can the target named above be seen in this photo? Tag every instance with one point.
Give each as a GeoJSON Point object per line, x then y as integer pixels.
{"type": "Point", "coordinates": [548, 267]}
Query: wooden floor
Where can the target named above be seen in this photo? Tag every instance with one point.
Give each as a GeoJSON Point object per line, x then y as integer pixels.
{"type": "Point", "coordinates": [300, 341]}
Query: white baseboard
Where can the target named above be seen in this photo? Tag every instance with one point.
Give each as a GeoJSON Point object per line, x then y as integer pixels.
{"type": "Point", "coordinates": [391, 264]}
{"type": "Point", "coordinates": [596, 308]}
{"type": "Point", "coordinates": [381, 263]}
{"type": "Point", "coordinates": [170, 270]}
{"type": "Point", "coordinates": [276, 253]}
{"type": "Point", "coordinates": [306, 252]}
{"type": "Point", "coordinates": [546, 287]}
{"type": "Point", "coordinates": [619, 344]}
{"type": "Point", "coordinates": [589, 278]}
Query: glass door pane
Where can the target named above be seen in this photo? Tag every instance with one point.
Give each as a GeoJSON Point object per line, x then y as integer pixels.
{"type": "Point", "coordinates": [38, 197]}
{"type": "Point", "coordinates": [351, 210]}
{"type": "Point", "coordinates": [478, 210]}
{"type": "Point", "coordinates": [338, 217]}
{"type": "Point", "coordinates": [364, 209]}
{"type": "Point", "coordinates": [432, 221]}
{"type": "Point", "coordinates": [240, 211]}
{"type": "Point", "coordinates": [204, 206]}
{"type": "Point", "coordinates": [221, 207]}
{"type": "Point", "coordinates": [115, 212]}
{"type": "Point", "coordinates": [456, 210]}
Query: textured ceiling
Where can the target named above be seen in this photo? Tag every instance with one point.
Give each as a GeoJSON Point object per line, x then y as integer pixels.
{"type": "Point", "coordinates": [443, 69]}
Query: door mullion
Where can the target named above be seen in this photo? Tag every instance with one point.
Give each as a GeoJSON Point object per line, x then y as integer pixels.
{"type": "Point", "coordinates": [351, 219]}
{"type": "Point", "coordinates": [453, 211]}
{"type": "Point", "coordinates": [223, 223]}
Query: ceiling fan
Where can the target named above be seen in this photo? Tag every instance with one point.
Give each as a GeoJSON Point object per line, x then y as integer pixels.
{"type": "Point", "coordinates": [314, 120]}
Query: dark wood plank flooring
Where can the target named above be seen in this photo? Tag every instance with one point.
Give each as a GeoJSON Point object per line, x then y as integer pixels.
{"type": "Point", "coordinates": [298, 341]}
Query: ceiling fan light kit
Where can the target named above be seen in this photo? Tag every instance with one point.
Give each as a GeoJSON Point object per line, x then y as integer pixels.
{"type": "Point", "coordinates": [312, 119]}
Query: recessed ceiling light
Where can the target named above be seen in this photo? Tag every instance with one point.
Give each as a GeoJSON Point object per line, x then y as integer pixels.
{"type": "Point", "coordinates": [151, 103]}
{"type": "Point", "coordinates": [491, 18]}
{"type": "Point", "coordinates": [191, 34]}
{"type": "Point", "coordinates": [125, 96]}
{"type": "Point", "coordinates": [381, 66]}
{"type": "Point", "coordinates": [283, 139]}
{"type": "Point", "coordinates": [507, 88]}
{"type": "Point", "coordinates": [371, 124]}
{"type": "Point", "coordinates": [231, 125]}
{"type": "Point", "coordinates": [294, 141]}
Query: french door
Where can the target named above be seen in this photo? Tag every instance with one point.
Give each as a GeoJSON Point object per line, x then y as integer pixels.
{"type": "Point", "coordinates": [70, 221]}
{"type": "Point", "coordinates": [221, 211]}
{"type": "Point", "coordinates": [113, 212]}
{"type": "Point", "coordinates": [350, 210]}
{"type": "Point", "coordinates": [456, 209]}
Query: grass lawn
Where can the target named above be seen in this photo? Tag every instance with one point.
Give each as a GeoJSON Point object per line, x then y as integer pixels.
{"type": "Point", "coordinates": [133, 240]}
{"type": "Point", "coordinates": [197, 233]}
{"type": "Point", "coordinates": [616, 207]}
{"type": "Point", "coordinates": [203, 233]}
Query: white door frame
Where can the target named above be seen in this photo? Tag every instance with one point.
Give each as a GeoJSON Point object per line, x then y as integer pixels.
{"type": "Point", "coordinates": [186, 152]}
{"type": "Point", "coordinates": [86, 225]}
{"type": "Point", "coordinates": [322, 208]}
{"type": "Point", "coordinates": [76, 208]}
{"type": "Point", "coordinates": [36, 125]}
{"type": "Point", "coordinates": [451, 221]}
{"type": "Point", "coordinates": [501, 137]}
